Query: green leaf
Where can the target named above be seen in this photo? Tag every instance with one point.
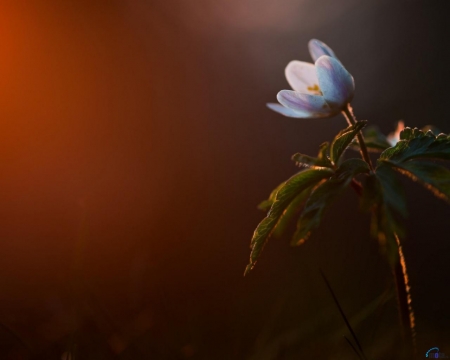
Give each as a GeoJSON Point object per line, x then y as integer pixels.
{"type": "Point", "coordinates": [352, 167]}
{"type": "Point", "coordinates": [321, 160]}
{"type": "Point", "coordinates": [323, 156]}
{"type": "Point", "coordinates": [434, 177]}
{"type": "Point", "coordinates": [323, 196]}
{"type": "Point", "coordinates": [291, 211]}
{"type": "Point", "coordinates": [393, 206]}
{"type": "Point", "coordinates": [383, 196]}
{"type": "Point", "coordinates": [266, 204]}
{"type": "Point", "coordinates": [414, 143]}
{"type": "Point", "coordinates": [294, 186]}
{"type": "Point", "coordinates": [431, 128]}
{"type": "Point", "coordinates": [392, 190]}
{"type": "Point", "coordinates": [343, 140]}
{"type": "Point", "coordinates": [288, 192]}
{"type": "Point", "coordinates": [386, 228]}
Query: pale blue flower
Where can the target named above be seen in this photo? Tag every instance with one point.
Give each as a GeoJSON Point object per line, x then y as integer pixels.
{"type": "Point", "coordinates": [321, 90]}
{"type": "Point", "coordinates": [394, 137]}
{"type": "Point", "coordinates": [317, 48]}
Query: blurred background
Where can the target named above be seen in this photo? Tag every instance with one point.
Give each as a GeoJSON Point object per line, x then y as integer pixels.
{"type": "Point", "coordinates": [135, 145]}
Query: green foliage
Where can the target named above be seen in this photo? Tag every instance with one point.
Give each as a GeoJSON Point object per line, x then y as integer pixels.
{"type": "Point", "coordinates": [434, 177]}
{"type": "Point", "coordinates": [284, 196]}
{"type": "Point", "coordinates": [343, 140]}
{"type": "Point", "coordinates": [291, 211]}
{"type": "Point", "coordinates": [383, 196]}
{"type": "Point", "coordinates": [415, 144]}
{"type": "Point", "coordinates": [322, 158]}
{"type": "Point", "coordinates": [266, 204]}
{"type": "Point", "coordinates": [323, 195]}
{"type": "Point", "coordinates": [310, 192]}
{"type": "Point", "coordinates": [316, 186]}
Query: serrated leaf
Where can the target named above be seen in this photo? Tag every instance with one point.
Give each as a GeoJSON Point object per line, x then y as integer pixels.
{"type": "Point", "coordinates": [431, 128]}
{"type": "Point", "coordinates": [415, 143]}
{"type": "Point", "coordinates": [323, 195]}
{"type": "Point", "coordinates": [434, 177]}
{"type": "Point", "coordinates": [306, 160]}
{"type": "Point", "coordinates": [266, 204]}
{"type": "Point", "coordinates": [291, 211]}
{"type": "Point", "coordinates": [321, 160]}
{"type": "Point", "coordinates": [343, 140]}
{"type": "Point", "coordinates": [284, 197]}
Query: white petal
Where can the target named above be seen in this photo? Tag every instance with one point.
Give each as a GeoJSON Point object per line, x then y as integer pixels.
{"type": "Point", "coordinates": [335, 81]}
{"type": "Point", "coordinates": [295, 113]}
{"type": "Point", "coordinates": [302, 77]}
{"type": "Point", "coordinates": [313, 104]}
{"type": "Point", "coordinates": [288, 112]}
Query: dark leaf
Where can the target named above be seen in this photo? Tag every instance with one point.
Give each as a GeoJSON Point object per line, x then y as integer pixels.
{"type": "Point", "coordinates": [266, 204]}
{"type": "Point", "coordinates": [321, 160]}
{"type": "Point", "coordinates": [383, 195]}
{"type": "Point", "coordinates": [291, 211]}
{"type": "Point", "coordinates": [392, 190]}
{"type": "Point", "coordinates": [434, 177]}
{"type": "Point", "coordinates": [323, 195]}
{"type": "Point", "coordinates": [343, 140]}
{"type": "Point", "coordinates": [285, 195]}
{"type": "Point", "coordinates": [323, 155]}
{"type": "Point", "coordinates": [414, 143]}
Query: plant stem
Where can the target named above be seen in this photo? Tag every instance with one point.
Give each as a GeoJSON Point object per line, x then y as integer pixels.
{"type": "Point", "coordinates": [348, 114]}
{"type": "Point", "coordinates": [406, 312]}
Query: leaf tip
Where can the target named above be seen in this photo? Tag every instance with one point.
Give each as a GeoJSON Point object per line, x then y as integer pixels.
{"type": "Point", "coordinates": [248, 268]}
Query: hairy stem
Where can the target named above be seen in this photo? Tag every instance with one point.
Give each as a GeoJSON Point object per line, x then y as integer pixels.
{"type": "Point", "coordinates": [406, 312]}
{"type": "Point", "coordinates": [348, 114]}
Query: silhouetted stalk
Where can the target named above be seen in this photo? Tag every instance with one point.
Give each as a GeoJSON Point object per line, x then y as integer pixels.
{"type": "Point", "coordinates": [406, 312]}
{"type": "Point", "coordinates": [341, 311]}
{"type": "Point", "coordinates": [353, 348]}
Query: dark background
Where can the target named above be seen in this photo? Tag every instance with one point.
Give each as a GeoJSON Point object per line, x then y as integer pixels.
{"type": "Point", "coordinates": [135, 145]}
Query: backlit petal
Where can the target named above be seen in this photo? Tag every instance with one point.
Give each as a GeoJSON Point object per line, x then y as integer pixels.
{"type": "Point", "coordinates": [302, 77]}
{"type": "Point", "coordinates": [317, 48]}
{"type": "Point", "coordinates": [289, 112]}
{"type": "Point", "coordinates": [335, 82]}
{"type": "Point", "coordinates": [313, 104]}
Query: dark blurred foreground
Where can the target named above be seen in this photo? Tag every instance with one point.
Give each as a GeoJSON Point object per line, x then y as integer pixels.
{"type": "Point", "coordinates": [135, 146]}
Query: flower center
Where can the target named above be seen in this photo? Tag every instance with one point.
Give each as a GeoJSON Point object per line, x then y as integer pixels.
{"type": "Point", "coordinates": [315, 89]}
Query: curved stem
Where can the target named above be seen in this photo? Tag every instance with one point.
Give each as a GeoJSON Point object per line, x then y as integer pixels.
{"type": "Point", "coordinates": [348, 114]}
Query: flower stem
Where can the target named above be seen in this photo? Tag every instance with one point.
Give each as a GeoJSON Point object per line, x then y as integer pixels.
{"type": "Point", "coordinates": [406, 312]}
{"type": "Point", "coordinates": [348, 114]}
